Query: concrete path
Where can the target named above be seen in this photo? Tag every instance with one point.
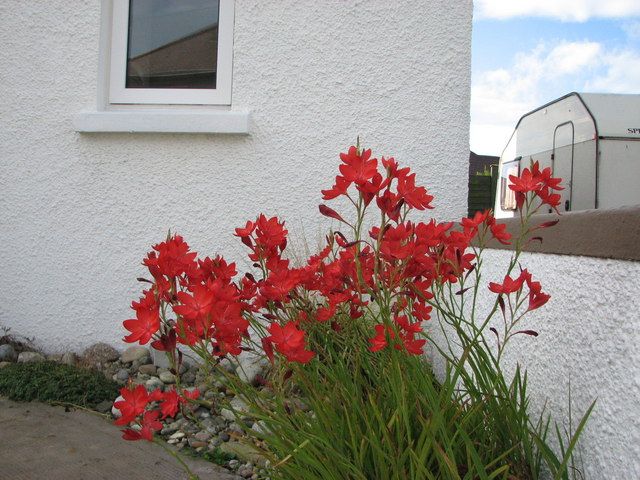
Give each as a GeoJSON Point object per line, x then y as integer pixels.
{"type": "Point", "coordinates": [41, 442]}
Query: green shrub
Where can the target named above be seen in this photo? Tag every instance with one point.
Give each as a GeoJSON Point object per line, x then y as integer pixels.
{"type": "Point", "coordinates": [54, 382]}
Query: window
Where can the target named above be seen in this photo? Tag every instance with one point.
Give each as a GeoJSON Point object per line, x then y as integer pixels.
{"type": "Point", "coordinates": [171, 52]}
{"type": "Point", "coordinates": [508, 196]}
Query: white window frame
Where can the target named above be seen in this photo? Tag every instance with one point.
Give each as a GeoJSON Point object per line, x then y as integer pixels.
{"type": "Point", "coordinates": [118, 94]}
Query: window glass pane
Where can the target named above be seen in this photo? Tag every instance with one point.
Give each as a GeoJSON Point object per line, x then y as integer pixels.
{"type": "Point", "coordinates": [172, 44]}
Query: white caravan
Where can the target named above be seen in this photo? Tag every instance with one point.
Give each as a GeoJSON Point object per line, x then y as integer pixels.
{"type": "Point", "coordinates": [590, 140]}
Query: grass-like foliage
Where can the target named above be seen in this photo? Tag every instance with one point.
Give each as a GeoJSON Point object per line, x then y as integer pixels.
{"type": "Point", "coordinates": [371, 415]}
{"type": "Point", "coordinates": [54, 382]}
{"type": "Point", "coordinates": [384, 415]}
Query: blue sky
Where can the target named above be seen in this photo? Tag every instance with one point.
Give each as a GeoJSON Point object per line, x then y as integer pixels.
{"type": "Point", "coordinates": [528, 52]}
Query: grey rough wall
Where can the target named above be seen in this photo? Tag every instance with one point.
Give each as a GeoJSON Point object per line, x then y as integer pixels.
{"type": "Point", "coordinates": [79, 211]}
{"type": "Point", "coordinates": [588, 336]}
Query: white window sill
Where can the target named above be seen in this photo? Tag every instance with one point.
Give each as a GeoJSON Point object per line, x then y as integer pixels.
{"type": "Point", "coordinates": [163, 121]}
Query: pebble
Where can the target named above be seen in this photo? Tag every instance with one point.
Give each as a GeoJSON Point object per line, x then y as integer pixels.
{"type": "Point", "coordinates": [100, 353]}
{"type": "Point", "coordinates": [136, 364]}
{"type": "Point", "coordinates": [30, 357]}
{"type": "Point", "coordinates": [114, 411]}
{"type": "Point", "coordinates": [153, 383]}
{"type": "Point", "coordinates": [122, 375]}
{"type": "Point", "coordinates": [216, 442]}
{"type": "Point", "coordinates": [202, 436]}
{"type": "Point", "coordinates": [104, 406]}
{"type": "Point", "coordinates": [177, 436]}
{"type": "Point", "coordinates": [233, 463]}
{"type": "Point", "coordinates": [149, 369]}
{"type": "Point", "coordinates": [8, 353]}
{"type": "Point", "coordinates": [260, 427]}
{"type": "Point", "coordinates": [134, 353]}
{"type": "Point", "coordinates": [202, 413]}
{"type": "Point", "coordinates": [197, 444]}
{"type": "Point", "coordinates": [170, 428]}
{"type": "Point", "coordinates": [210, 395]}
{"type": "Point", "coordinates": [189, 377]}
{"type": "Point", "coordinates": [227, 365]}
{"type": "Point", "coordinates": [234, 427]}
{"type": "Point", "coordinates": [69, 358]}
{"type": "Point", "coordinates": [167, 377]}
{"type": "Point", "coordinates": [227, 414]}
{"type": "Point", "coordinates": [251, 367]}
{"type": "Point", "coordinates": [225, 437]}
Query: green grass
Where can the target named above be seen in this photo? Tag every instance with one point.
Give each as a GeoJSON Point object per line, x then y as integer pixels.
{"type": "Point", "coordinates": [54, 382]}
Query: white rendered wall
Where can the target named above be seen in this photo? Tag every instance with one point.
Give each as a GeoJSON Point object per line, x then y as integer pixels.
{"type": "Point", "coordinates": [588, 337]}
{"type": "Point", "coordinates": [79, 211]}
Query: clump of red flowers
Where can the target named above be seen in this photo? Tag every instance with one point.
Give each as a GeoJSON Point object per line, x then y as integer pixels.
{"type": "Point", "coordinates": [138, 409]}
{"type": "Point", "coordinates": [383, 275]}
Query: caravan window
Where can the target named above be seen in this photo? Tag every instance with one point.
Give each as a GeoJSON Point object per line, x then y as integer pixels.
{"type": "Point", "coordinates": [508, 196]}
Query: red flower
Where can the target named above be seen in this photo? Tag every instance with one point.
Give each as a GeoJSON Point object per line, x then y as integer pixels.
{"type": "Point", "coordinates": [470, 225]}
{"type": "Point", "coordinates": [358, 168]}
{"type": "Point", "coordinates": [147, 321]}
{"type": "Point", "coordinates": [190, 394]}
{"type": "Point", "coordinates": [549, 198]}
{"type": "Point", "coordinates": [171, 401]}
{"type": "Point", "coordinates": [421, 311]}
{"type": "Point", "coordinates": [509, 285]}
{"type": "Point", "coordinates": [536, 300]}
{"type": "Point", "coordinates": [166, 342]}
{"type": "Point", "coordinates": [246, 231]}
{"type": "Point", "coordinates": [173, 259]}
{"type": "Point", "coordinates": [499, 232]}
{"type": "Point", "coordinates": [196, 306]}
{"type": "Point", "coordinates": [340, 188]}
{"type": "Point", "coordinates": [536, 297]}
{"type": "Point", "coordinates": [150, 424]}
{"type": "Point", "coordinates": [417, 197]}
{"type": "Point", "coordinates": [390, 204]}
{"type": "Point", "coordinates": [289, 341]}
{"type": "Point", "coordinates": [270, 236]}
{"type": "Point", "coordinates": [133, 404]}
{"type": "Point", "coordinates": [380, 340]}
{"type": "Point", "coordinates": [370, 189]}
{"type": "Point", "coordinates": [526, 182]}
{"type": "Point", "coordinates": [411, 344]}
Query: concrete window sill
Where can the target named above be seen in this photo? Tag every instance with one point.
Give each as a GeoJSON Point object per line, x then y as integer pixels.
{"type": "Point", "coordinates": [163, 121]}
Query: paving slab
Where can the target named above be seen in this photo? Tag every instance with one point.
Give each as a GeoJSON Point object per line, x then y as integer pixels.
{"type": "Point", "coordinates": [43, 442]}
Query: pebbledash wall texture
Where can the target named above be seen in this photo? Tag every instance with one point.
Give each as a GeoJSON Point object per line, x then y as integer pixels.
{"type": "Point", "coordinates": [587, 344]}
{"type": "Point", "coordinates": [79, 211]}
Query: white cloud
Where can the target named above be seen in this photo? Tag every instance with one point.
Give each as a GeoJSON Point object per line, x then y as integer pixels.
{"type": "Point", "coordinates": [565, 10]}
{"type": "Point", "coordinates": [621, 74]}
{"type": "Point", "coordinates": [632, 29]}
{"type": "Point", "coordinates": [500, 97]}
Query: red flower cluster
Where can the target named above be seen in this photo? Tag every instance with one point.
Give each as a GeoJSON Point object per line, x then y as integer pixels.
{"type": "Point", "coordinates": [209, 307]}
{"type": "Point", "coordinates": [396, 266]}
{"type": "Point", "coordinates": [540, 182]}
{"type": "Point", "coordinates": [509, 285]}
{"type": "Point", "coordinates": [133, 409]}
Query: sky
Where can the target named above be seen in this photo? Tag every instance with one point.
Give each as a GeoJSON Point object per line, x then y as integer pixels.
{"type": "Point", "coordinates": [528, 52]}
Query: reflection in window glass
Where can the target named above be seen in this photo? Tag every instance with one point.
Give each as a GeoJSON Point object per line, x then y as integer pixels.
{"type": "Point", "coordinates": [508, 196]}
{"type": "Point", "coordinates": [172, 44]}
